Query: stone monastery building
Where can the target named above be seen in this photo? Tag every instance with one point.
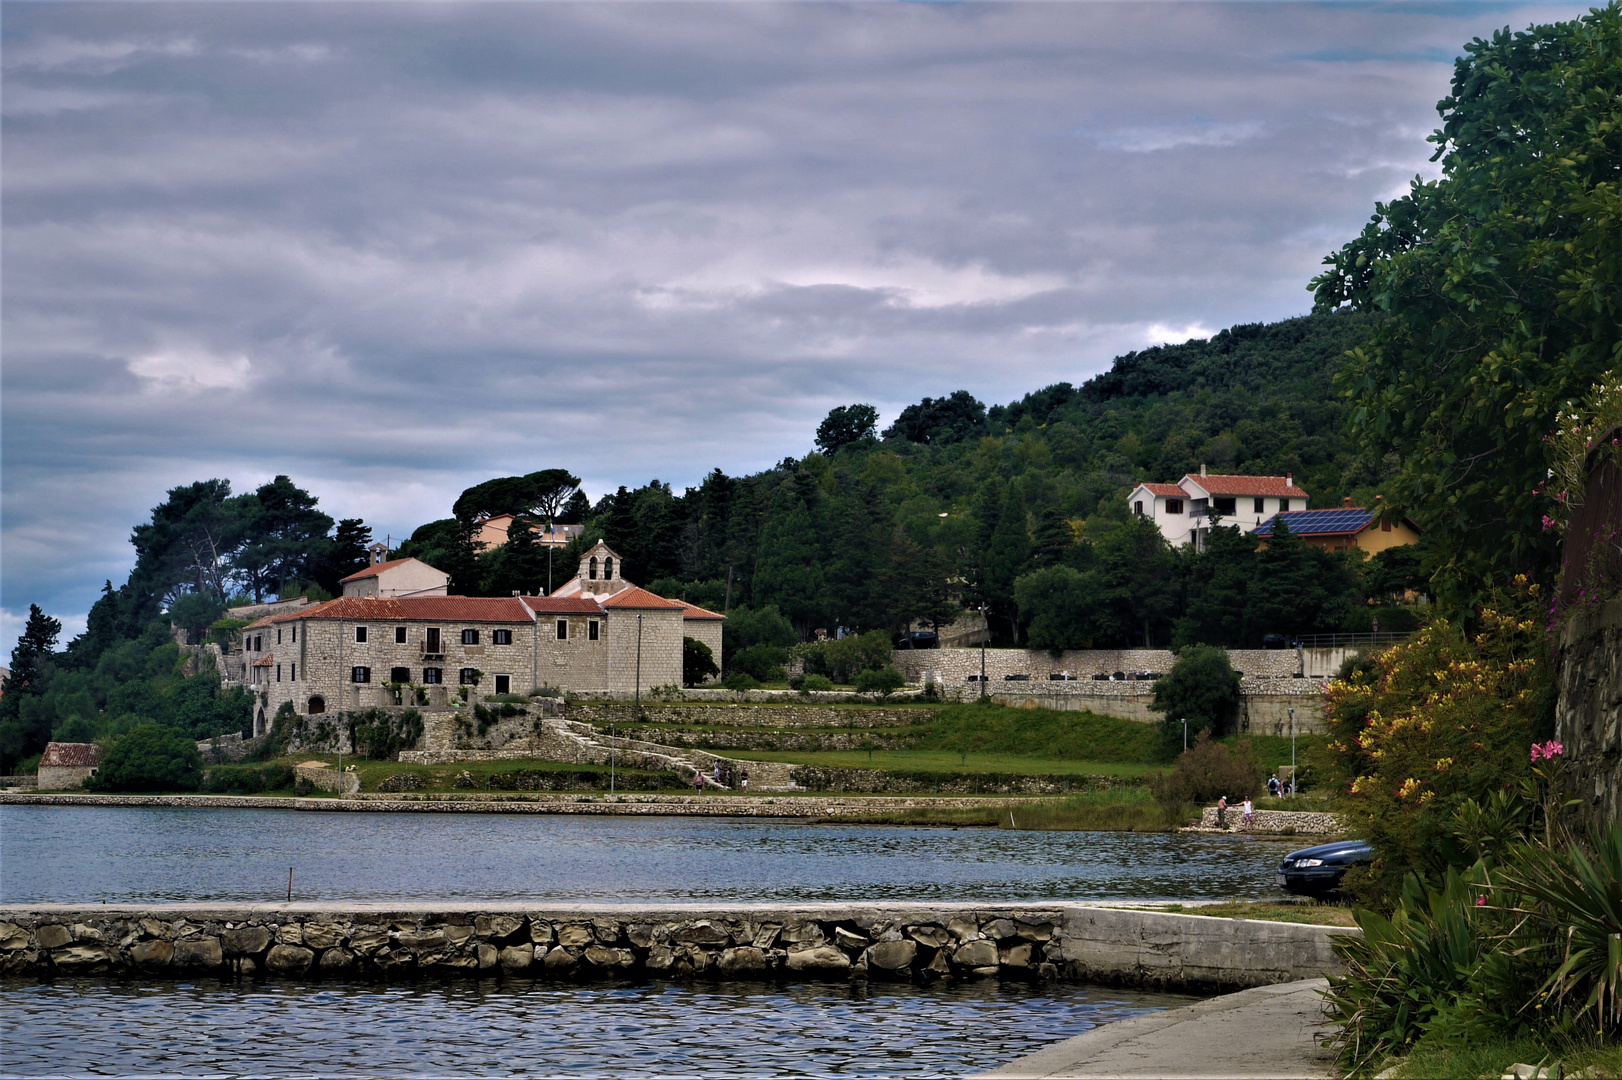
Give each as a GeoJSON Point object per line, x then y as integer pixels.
{"type": "Point", "coordinates": [395, 624]}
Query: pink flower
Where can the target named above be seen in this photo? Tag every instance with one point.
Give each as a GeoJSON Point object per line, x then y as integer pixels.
{"type": "Point", "coordinates": [1481, 901]}
{"type": "Point", "coordinates": [1548, 522]}
{"type": "Point", "coordinates": [1546, 751]}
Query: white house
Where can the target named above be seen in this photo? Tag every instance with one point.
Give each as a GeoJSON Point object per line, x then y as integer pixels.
{"type": "Point", "coordinates": [1183, 511]}
{"type": "Point", "coordinates": [397, 578]}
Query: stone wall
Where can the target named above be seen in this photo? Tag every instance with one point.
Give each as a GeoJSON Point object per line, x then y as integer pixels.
{"type": "Point", "coordinates": [897, 942]}
{"type": "Point", "coordinates": [1288, 822]}
{"type": "Point", "coordinates": [28, 781]}
{"type": "Point", "coordinates": [735, 715]}
{"type": "Point", "coordinates": [887, 781]}
{"type": "Point", "coordinates": [954, 666]}
{"type": "Point", "coordinates": [1588, 715]}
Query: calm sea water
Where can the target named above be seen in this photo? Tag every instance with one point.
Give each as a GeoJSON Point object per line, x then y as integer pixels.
{"type": "Point", "coordinates": [75, 854]}
{"type": "Point", "coordinates": [84, 1027]}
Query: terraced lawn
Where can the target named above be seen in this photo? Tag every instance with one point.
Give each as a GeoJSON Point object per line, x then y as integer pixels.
{"type": "Point", "coordinates": [948, 761]}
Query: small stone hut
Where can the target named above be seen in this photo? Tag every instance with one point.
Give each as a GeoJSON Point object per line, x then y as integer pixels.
{"type": "Point", "coordinates": [68, 764]}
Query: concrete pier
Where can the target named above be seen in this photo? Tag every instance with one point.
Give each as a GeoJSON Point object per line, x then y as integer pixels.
{"type": "Point", "coordinates": [904, 942]}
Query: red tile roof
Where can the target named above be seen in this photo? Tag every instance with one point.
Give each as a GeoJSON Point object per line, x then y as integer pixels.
{"type": "Point", "coordinates": [638, 597]}
{"type": "Point", "coordinates": [1165, 491]}
{"type": "Point", "coordinates": [265, 660]}
{"type": "Point", "coordinates": [1275, 486]}
{"type": "Point", "coordinates": [693, 611]}
{"type": "Point", "coordinates": [562, 605]}
{"type": "Point", "coordinates": [70, 755]}
{"type": "Point", "coordinates": [504, 609]}
{"type": "Point", "coordinates": [375, 569]}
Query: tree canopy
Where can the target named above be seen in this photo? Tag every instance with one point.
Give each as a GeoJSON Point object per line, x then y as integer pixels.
{"type": "Point", "coordinates": [1499, 289]}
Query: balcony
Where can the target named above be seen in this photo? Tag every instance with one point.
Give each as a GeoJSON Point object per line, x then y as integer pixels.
{"type": "Point", "coordinates": [433, 650]}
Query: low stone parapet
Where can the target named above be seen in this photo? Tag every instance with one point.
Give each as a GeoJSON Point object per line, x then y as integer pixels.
{"type": "Point", "coordinates": [302, 942]}
{"type": "Point", "coordinates": [1286, 822]}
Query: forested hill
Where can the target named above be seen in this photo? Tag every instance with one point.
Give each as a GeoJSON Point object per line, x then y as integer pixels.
{"type": "Point", "coordinates": [954, 502]}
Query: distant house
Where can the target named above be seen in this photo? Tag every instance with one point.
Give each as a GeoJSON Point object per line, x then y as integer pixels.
{"type": "Point", "coordinates": [67, 764]}
{"type": "Point", "coordinates": [1184, 511]}
{"type": "Point", "coordinates": [397, 578]}
{"type": "Point", "coordinates": [1345, 528]}
{"type": "Point", "coordinates": [493, 532]}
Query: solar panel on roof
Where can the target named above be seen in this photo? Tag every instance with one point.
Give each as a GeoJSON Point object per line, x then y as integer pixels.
{"type": "Point", "coordinates": [1312, 522]}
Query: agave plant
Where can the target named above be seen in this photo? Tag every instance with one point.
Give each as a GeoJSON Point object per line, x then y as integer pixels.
{"type": "Point", "coordinates": [1577, 897]}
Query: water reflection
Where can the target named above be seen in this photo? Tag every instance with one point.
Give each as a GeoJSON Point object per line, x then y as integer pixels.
{"type": "Point", "coordinates": [84, 1027]}
{"type": "Point", "coordinates": [158, 854]}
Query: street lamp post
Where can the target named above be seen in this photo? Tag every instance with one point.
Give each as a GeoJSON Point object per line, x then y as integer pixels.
{"type": "Point", "coordinates": [1295, 785]}
{"type": "Point", "coordinates": [1185, 736]}
{"type": "Point", "coordinates": [984, 633]}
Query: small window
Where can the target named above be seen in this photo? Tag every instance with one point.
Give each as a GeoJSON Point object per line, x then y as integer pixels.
{"type": "Point", "coordinates": [432, 676]}
{"type": "Point", "coordinates": [1174, 506]}
{"type": "Point", "coordinates": [1261, 506]}
{"type": "Point", "coordinates": [295, 633]}
{"type": "Point", "coordinates": [278, 635]}
{"type": "Point", "coordinates": [1385, 526]}
{"type": "Point", "coordinates": [470, 637]}
{"type": "Point", "coordinates": [1225, 507]}
{"type": "Point", "coordinates": [258, 643]}
{"type": "Point", "coordinates": [360, 674]}
{"type": "Point", "coordinates": [592, 629]}
{"type": "Point", "coordinates": [501, 637]}
{"type": "Point", "coordinates": [399, 635]}
{"type": "Point", "coordinates": [278, 673]}
{"type": "Point", "coordinates": [1137, 508]}
{"type": "Point", "coordinates": [360, 635]}
{"type": "Point", "coordinates": [468, 676]}
{"type": "Point", "coordinates": [1284, 506]}
{"type": "Point", "coordinates": [292, 673]}
{"type": "Point", "coordinates": [563, 629]}
{"type": "Point", "coordinates": [399, 675]}
{"type": "Point", "coordinates": [504, 684]}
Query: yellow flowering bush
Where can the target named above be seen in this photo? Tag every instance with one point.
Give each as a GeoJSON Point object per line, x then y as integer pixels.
{"type": "Point", "coordinates": [1443, 717]}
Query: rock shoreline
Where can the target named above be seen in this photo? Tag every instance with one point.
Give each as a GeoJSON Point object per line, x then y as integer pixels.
{"type": "Point", "coordinates": [893, 942]}
{"type": "Point", "coordinates": [770, 806]}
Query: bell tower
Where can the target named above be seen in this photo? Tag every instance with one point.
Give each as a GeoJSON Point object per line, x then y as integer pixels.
{"type": "Point", "coordinates": [600, 571]}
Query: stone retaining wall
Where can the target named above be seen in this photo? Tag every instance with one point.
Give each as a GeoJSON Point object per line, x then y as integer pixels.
{"type": "Point", "coordinates": [1291, 822]}
{"type": "Point", "coordinates": [772, 716]}
{"type": "Point", "coordinates": [1588, 716]}
{"type": "Point", "coordinates": [303, 942]}
{"type": "Point", "coordinates": [27, 781]}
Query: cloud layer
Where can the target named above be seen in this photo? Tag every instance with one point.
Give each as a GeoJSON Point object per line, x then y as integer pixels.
{"type": "Point", "coordinates": [392, 250]}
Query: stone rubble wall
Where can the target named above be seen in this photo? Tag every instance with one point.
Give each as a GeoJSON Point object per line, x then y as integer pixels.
{"type": "Point", "coordinates": [954, 666]}
{"type": "Point", "coordinates": [26, 781]}
{"type": "Point", "coordinates": [736, 715]}
{"type": "Point", "coordinates": [304, 942]}
{"type": "Point", "coordinates": [883, 781]}
{"type": "Point", "coordinates": [1296, 822]}
{"type": "Point", "coordinates": [1588, 714]}
{"type": "Point", "coordinates": [327, 778]}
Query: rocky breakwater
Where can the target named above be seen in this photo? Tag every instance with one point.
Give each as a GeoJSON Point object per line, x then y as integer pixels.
{"type": "Point", "coordinates": [897, 942]}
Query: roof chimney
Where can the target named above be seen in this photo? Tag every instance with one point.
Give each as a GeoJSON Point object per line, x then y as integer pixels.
{"type": "Point", "coordinates": [1202, 468]}
{"type": "Point", "coordinates": [1346, 502]}
{"type": "Point", "coordinates": [1289, 480]}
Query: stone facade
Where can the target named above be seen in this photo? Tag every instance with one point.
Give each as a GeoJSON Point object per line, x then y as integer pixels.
{"type": "Point", "coordinates": [920, 943]}
{"type": "Point", "coordinates": [64, 766]}
{"type": "Point", "coordinates": [597, 635]}
{"type": "Point", "coordinates": [1285, 822]}
{"type": "Point", "coordinates": [1588, 716]}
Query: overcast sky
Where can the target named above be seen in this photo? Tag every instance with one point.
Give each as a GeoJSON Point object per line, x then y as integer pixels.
{"type": "Point", "coordinates": [394, 250]}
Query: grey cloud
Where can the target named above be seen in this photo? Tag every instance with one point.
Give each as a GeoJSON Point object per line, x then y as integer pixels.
{"type": "Point", "coordinates": [395, 249]}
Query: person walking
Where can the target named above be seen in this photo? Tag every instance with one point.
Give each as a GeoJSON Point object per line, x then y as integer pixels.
{"type": "Point", "coordinates": [743, 780]}
{"type": "Point", "coordinates": [1222, 812]}
{"type": "Point", "coordinates": [1250, 813]}
{"type": "Point", "coordinates": [1272, 786]}
{"type": "Point", "coordinates": [698, 780]}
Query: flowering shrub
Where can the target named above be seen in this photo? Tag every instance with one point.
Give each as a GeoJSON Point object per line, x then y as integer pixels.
{"type": "Point", "coordinates": [1440, 719]}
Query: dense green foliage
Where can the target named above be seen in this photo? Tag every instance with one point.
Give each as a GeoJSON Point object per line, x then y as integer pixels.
{"type": "Point", "coordinates": [1209, 770]}
{"type": "Point", "coordinates": [1502, 287]}
{"type": "Point", "coordinates": [983, 727]}
{"type": "Point", "coordinates": [247, 779]}
{"type": "Point", "coordinates": [380, 735]}
{"type": "Point", "coordinates": [150, 757]}
{"type": "Point", "coordinates": [958, 502]}
{"type": "Point", "coordinates": [1201, 688]}
{"type": "Point", "coordinates": [697, 662]}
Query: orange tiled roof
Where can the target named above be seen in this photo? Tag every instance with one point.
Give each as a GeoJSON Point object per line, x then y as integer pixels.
{"type": "Point", "coordinates": [693, 611]}
{"type": "Point", "coordinates": [1165, 491]}
{"type": "Point", "coordinates": [1276, 486]}
{"type": "Point", "coordinates": [70, 755]}
{"type": "Point", "coordinates": [508, 609]}
{"type": "Point", "coordinates": [265, 660]}
{"type": "Point", "coordinates": [638, 597]}
{"type": "Point", "coordinates": [374, 570]}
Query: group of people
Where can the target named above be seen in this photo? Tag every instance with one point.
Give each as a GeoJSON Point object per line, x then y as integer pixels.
{"type": "Point", "coordinates": [1275, 788]}
{"type": "Point", "coordinates": [722, 775]}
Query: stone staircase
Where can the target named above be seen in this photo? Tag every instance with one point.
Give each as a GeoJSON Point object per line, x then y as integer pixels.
{"type": "Point", "coordinates": [553, 738]}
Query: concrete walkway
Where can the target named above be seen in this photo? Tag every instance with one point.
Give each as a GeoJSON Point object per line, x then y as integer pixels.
{"type": "Point", "coordinates": [1262, 1034]}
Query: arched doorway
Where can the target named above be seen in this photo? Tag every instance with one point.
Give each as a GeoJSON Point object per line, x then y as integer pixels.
{"type": "Point", "coordinates": [318, 704]}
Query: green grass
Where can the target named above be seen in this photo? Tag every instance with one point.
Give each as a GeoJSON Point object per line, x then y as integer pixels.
{"type": "Point", "coordinates": [1488, 1058]}
{"type": "Point", "coordinates": [1117, 810]}
{"type": "Point", "coordinates": [442, 778]}
{"type": "Point", "coordinates": [947, 761]}
{"type": "Point", "coordinates": [1047, 734]}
